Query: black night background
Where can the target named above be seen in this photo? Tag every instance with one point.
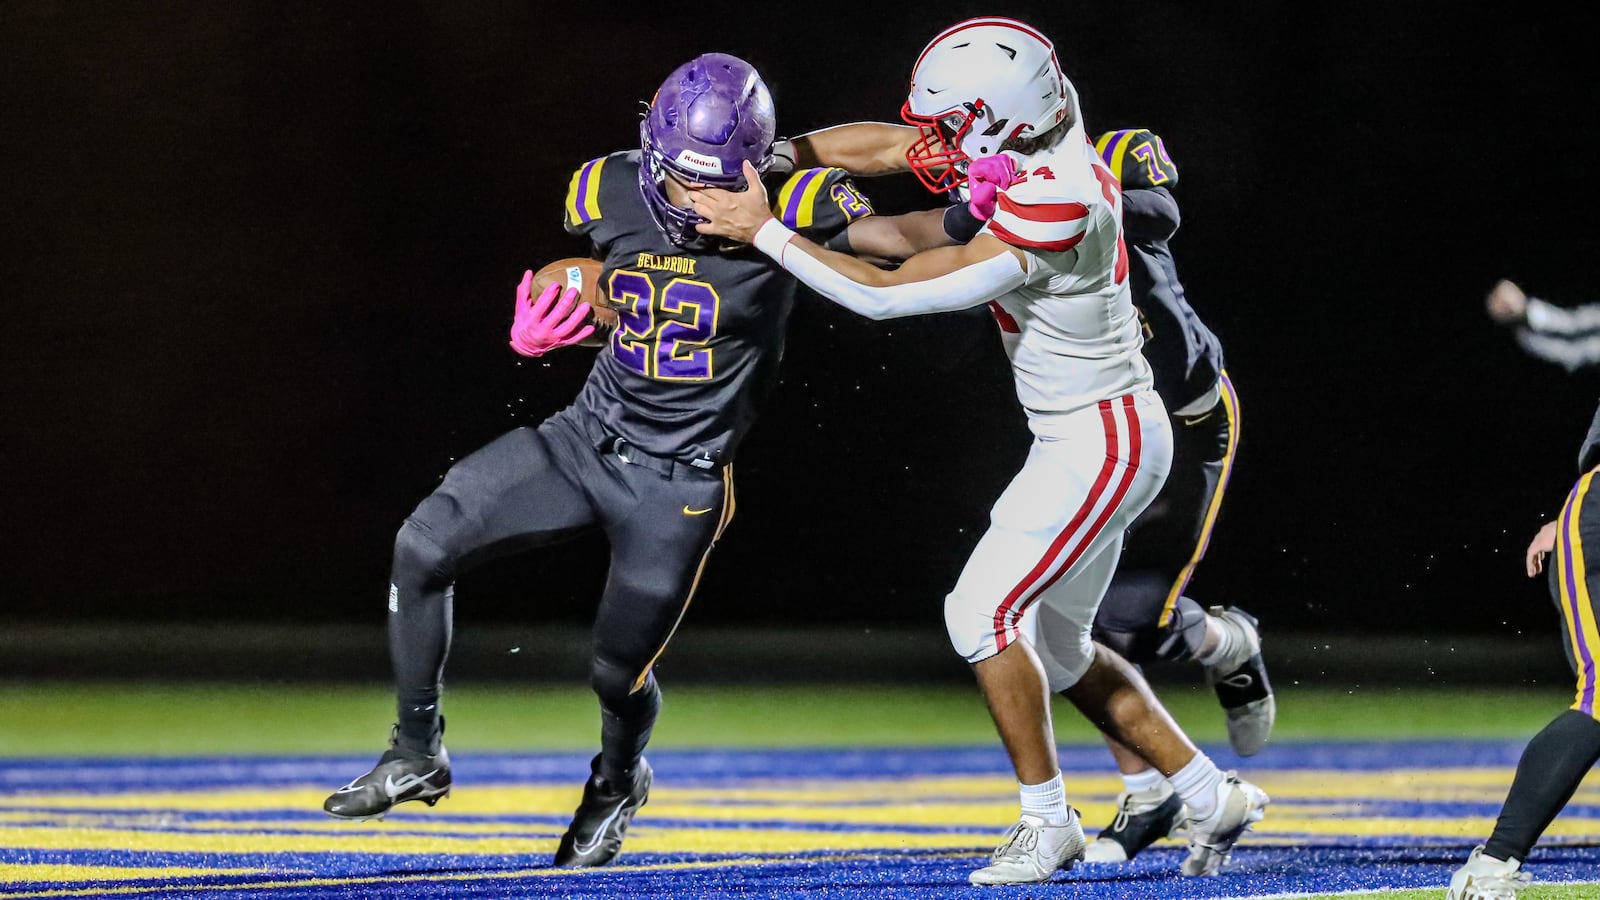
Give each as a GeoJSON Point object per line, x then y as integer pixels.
{"type": "Point", "coordinates": [259, 260]}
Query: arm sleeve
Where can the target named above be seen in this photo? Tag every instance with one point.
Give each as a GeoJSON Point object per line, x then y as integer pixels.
{"type": "Point", "coordinates": [1547, 318]}
{"type": "Point", "coordinates": [1571, 352]}
{"type": "Point", "coordinates": [1149, 214]}
{"type": "Point", "coordinates": [963, 288]}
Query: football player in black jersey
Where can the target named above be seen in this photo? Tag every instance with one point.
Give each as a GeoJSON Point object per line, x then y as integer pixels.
{"type": "Point", "coordinates": [642, 454]}
{"type": "Point", "coordinates": [1146, 616]}
{"type": "Point", "coordinates": [1558, 757]}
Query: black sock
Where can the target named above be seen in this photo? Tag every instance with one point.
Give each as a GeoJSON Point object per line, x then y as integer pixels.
{"type": "Point", "coordinates": [420, 721]}
{"type": "Point", "coordinates": [1550, 770]}
{"type": "Point", "coordinates": [625, 729]}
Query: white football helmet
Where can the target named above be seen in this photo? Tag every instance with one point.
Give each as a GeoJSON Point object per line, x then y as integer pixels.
{"type": "Point", "coordinates": [978, 84]}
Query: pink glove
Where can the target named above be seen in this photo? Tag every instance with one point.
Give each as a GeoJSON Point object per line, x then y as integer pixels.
{"type": "Point", "coordinates": [542, 325]}
{"type": "Point", "coordinates": [986, 178]}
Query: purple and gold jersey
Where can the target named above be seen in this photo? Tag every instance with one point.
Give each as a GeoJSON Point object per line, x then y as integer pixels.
{"type": "Point", "coordinates": [701, 332]}
{"type": "Point", "coordinates": [1184, 354]}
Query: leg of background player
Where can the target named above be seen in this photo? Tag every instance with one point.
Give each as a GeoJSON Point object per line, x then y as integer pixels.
{"type": "Point", "coordinates": [662, 520]}
{"type": "Point", "coordinates": [1558, 757]}
{"type": "Point", "coordinates": [520, 490]}
{"type": "Point", "coordinates": [1145, 618]}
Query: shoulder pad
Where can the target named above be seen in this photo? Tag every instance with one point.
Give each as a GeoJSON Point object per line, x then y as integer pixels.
{"type": "Point", "coordinates": [583, 194]}
{"type": "Point", "coordinates": [1137, 157]}
{"type": "Point", "coordinates": [807, 199]}
{"type": "Point", "coordinates": [1038, 223]}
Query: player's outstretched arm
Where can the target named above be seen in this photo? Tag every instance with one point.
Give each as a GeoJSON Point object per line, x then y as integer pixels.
{"type": "Point", "coordinates": [940, 280]}
{"type": "Point", "coordinates": [894, 239]}
{"type": "Point", "coordinates": [860, 148]}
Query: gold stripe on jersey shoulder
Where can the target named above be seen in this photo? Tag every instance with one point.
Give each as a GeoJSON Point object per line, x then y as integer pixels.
{"type": "Point", "coordinates": [797, 199]}
{"type": "Point", "coordinates": [583, 193]}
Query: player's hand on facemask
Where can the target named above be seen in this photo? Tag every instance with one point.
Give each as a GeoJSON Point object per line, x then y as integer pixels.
{"type": "Point", "coordinates": [1543, 543]}
{"type": "Point", "coordinates": [553, 319]}
{"type": "Point", "coordinates": [986, 177]}
{"type": "Point", "coordinates": [735, 215]}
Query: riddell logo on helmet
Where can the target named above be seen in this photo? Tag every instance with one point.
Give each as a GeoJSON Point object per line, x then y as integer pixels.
{"type": "Point", "coordinates": [692, 160]}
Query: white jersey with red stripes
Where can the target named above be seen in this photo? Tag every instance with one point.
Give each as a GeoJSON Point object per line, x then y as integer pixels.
{"type": "Point", "coordinates": [1077, 333]}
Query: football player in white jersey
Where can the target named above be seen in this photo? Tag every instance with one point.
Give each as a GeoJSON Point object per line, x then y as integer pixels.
{"type": "Point", "coordinates": [1053, 259]}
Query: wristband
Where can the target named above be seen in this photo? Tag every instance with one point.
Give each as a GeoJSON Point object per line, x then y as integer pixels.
{"type": "Point", "coordinates": [772, 237]}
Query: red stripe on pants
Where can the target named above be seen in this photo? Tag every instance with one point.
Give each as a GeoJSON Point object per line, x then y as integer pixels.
{"type": "Point", "coordinates": [1131, 416]}
{"type": "Point", "coordinates": [1024, 590]}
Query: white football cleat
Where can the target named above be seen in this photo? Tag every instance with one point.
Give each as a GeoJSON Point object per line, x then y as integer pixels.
{"type": "Point", "coordinates": [1487, 878]}
{"type": "Point", "coordinates": [1240, 805]}
{"type": "Point", "coordinates": [1033, 851]}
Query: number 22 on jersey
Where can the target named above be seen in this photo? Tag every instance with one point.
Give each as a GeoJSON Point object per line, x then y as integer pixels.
{"type": "Point", "coordinates": [664, 337]}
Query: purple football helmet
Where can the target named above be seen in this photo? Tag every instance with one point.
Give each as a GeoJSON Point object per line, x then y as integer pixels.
{"type": "Point", "coordinates": [709, 116]}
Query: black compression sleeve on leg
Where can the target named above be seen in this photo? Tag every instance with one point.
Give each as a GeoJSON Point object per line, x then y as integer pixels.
{"type": "Point", "coordinates": [1552, 766]}
{"type": "Point", "coordinates": [420, 625]}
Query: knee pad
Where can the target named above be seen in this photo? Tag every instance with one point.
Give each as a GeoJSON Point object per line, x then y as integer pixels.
{"type": "Point", "coordinates": [971, 629]}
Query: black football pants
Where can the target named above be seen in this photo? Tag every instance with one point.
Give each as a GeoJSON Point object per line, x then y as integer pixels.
{"type": "Point", "coordinates": [533, 487]}
{"type": "Point", "coordinates": [1144, 615]}
{"type": "Point", "coordinates": [1558, 757]}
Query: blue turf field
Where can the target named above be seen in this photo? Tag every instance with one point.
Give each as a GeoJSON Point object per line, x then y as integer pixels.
{"type": "Point", "coordinates": [792, 823]}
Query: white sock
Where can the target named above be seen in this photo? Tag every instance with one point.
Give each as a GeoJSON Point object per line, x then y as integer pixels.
{"type": "Point", "coordinates": [1197, 784]}
{"type": "Point", "coordinates": [1048, 801]}
{"type": "Point", "coordinates": [1229, 642]}
{"type": "Point", "coordinates": [1143, 782]}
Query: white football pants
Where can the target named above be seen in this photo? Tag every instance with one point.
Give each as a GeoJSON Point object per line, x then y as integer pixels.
{"type": "Point", "coordinates": [1055, 534]}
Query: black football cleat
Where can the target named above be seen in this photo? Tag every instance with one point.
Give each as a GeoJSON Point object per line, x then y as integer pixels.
{"type": "Point", "coordinates": [595, 836]}
{"type": "Point", "coordinates": [1138, 825]}
{"type": "Point", "coordinates": [399, 776]}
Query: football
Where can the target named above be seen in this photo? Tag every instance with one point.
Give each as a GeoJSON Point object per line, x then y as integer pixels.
{"type": "Point", "coordinates": [584, 274]}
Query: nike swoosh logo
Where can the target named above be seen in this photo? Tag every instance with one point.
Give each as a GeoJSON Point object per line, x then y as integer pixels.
{"type": "Point", "coordinates": [395, 788]}
{"type": "Point", "coordinates": [696, 512]}
{"type": "Point", "coordinates": [601, 831]}
{"type": "Point", "coordinates": [1239, 681]}
{"type": "Point", "coordinates": [931, 91]}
